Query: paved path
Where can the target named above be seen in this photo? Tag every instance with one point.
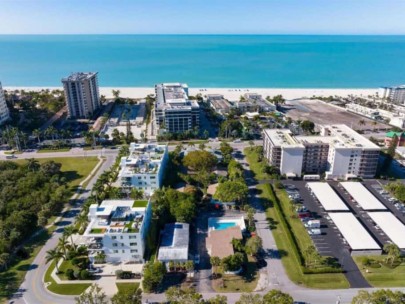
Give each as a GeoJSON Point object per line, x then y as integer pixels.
{"type": "Point", "coordinates": [32, 290]}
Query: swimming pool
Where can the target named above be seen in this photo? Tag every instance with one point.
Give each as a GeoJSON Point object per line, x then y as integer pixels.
{"type": "Point", "coordinates": [223, 225]}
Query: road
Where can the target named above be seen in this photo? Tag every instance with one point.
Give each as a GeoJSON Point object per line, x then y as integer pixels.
{"type": "Point", "coordinates": [32, 290]}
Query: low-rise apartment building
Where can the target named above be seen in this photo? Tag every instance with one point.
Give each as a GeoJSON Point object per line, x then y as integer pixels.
{"type": "Point", "coordinates": [219, 104]}
{"type": "Point", "coordinates": [119, 229]}
{"type": "Point", "coordinates": [144, 167]}
{"type": "Point", "coordinates": [262, 104]}
{"type": "Point", "coordinates": [338, 151]}
{"type": "Point", "coordinates": [4, 112]}
{"type": "Point", "coordinates": [174, 112]}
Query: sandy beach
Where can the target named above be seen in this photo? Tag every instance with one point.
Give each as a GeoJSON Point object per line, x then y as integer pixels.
{"type": "Point", "coordinates": [229, 93]}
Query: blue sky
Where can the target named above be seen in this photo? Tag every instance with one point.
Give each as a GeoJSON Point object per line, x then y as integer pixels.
{"type": "Point", "coordinates": [202, 17]}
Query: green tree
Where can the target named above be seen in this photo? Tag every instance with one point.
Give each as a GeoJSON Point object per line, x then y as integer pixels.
{"type": "Point", "coordinates": [233, 262]}
{"type": "Point", "coordinates": [226, 152]}
{"type": "Point", "coordinates": [62, 245]}
{"type": "Point", "coordinates": [4, 260]}
{"type": "Point", "coordinates": [237, 245]}
{"type": "Point", "coordinates": [215, 262]}
{"type": "Point", "coordinates": [217, 300]}
{"type": "Point", "coordinates": [249, 298]}
{"type": "Point", "coordinates": [176, 295]}
{"type": "Point", "coordinates": [136, 194]}
{"type": "Point", "coordinates": [33, 164]}
{"type": "Point", "coordinates": [381, 296]}
{"type": "Point", "coordinates": [94, 295]}
{"type": "Point", "coordinates": [133, 296]}
{"type": "Point", "coordinates": [393, 146]}
{"type": "Point", "coordinates": [69, 231]}
{"type": "Point", "coordinates": [153, 275]}
{"type": "Point", "coordinates": [116, 94]}
{"type": "Point", "coordinates": [308, 126]}
{"type": "Point", "coordinates": [231, 191]}
{"type": "Point", "coordinates": [200, 161]}
{"type": "Point", "coordinates": [254, 245]}
{"type": "Point", "coordinates": [275, 296]}
{"type": "Point", "coordinates": [54, 255]}
{"type": "Point", "coordinates": [393, 252]}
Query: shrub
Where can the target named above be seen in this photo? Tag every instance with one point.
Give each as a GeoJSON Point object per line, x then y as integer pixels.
{"type": "Point", "coordinates": [118, 273]}
{"type": "Point", "coordinates": [85, 274]}
{"type": "Point", "coordinates": [278, 185]}
{"type": "Point", "coordinates": [366, 261]}
{"type": "Point", "coordinates": [76, 274]}
{"type": "Point", "coordinates": [23, 253]}
{"type": "Point", "coordinates": [125, 275]}
{"type": "Point", "coordinates": [70, 274]}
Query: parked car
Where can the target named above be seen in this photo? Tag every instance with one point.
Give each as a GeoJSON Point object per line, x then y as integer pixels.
{"type": "Point", "coordinates": [94, 270]}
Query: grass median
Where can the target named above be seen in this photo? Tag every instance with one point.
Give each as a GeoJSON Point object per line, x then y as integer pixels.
{"type": "Point", "coordinates": [289, 234]}
{"type": "Point", "coordinates": [63, 289]}
{"type": "Point", "coordinates": [380, 274]}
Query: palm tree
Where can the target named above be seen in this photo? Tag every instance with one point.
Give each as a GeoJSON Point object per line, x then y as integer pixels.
{"type": "Point", "coordinates": [69, 231]}
{"type": "Point", "coordinates": [100, 257]}
{"type": "Point", "coordinates": [215, 262]}
{"type": "Point", "coordinates": [362, 122]}
{"type": "Point", "coordinates": [81, 220]}
{"type": "Point", "coordinates": [37, 133]}
{"type": "Point", "coordinates": [201, 146]}
{"type": "Point", "coordinates": [251, 144]}
{"type": "Point", "coordinates": [54, 255]}
{"type": "Point", "coordinates": [116, 93]}
{"type": "Point", "coordinates": [374, 123]}
{"type": "Point", "coordinates": [62, 245]}
{"type": "Point", "coordinates": [33, 164]}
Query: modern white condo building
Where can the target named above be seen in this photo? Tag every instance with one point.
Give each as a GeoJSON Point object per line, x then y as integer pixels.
{"type": "Point", "coordinates": [4, 112]}
{"type": "Point", "coordinates": [174, 111]}
{"type": "Point", "coordinates": [396, 94]}
{"type": "Point", "coordinates": [339, 152]}
{"type": "Point", "coordinates": [144, 168]}
{"type": "Point", "coordinates": [81, 94]}
{"type": "Point", "coordinates": [119, 229]}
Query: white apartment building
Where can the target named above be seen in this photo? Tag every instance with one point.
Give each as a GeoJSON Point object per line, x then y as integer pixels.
{"type": "Point", "coordinates": [339, 152]}
{"type": "Point", "coordinates": [119, 229]}
{"type": "Point", "coordinates": [144, 168]}
{"type": "Point", "coordinates": [4, 112]}
{"type": "Point", "coordinates": [174, 112]}
{"type": "Point", "coordinates": [396, 94]}
{"type": "Point", "coordinates": [81, 94]}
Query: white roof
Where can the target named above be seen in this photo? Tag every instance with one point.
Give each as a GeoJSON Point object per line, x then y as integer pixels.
{"type": "Point", "coordinates": [327, 197]}
{"type": "Point", "coordinates": [391, 226]}
{"type": "Point", "coordinates": [353, 231]}
{"type": "Point", "coordinates": [362, 196]}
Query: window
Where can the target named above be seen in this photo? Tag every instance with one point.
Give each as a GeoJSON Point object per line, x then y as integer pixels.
{"type": "Point", "coordinates": [115, 251]}
{"type": "Point", "coordinates": [134, 250]}
{"type": "Point", "coordinates": [133, 244]}
{"type": "Point", "coordinates": [132, 237]}
{"type": "Point", "coordinates": [122, 244]}
{"type": "Point", "coordinates": [123, 251]}
{"type": "Point", "coordinates": [115, 245]}
{"type": "Point", "coordinates": [113, 237]}
{"type": "Point", "coordinates": [121, 237]}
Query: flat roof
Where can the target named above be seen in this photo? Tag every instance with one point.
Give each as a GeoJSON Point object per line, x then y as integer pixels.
{"type": "Point", "coordinates": [174, 242]}
{"type": "Point", "coordinates": [391, 226]}
{"type": "Point", "coordinates": [327, 197]}
{"type": "Point", "coordinates": [362, 196]}
{"type": "Point", "coordinates": [353, 231]}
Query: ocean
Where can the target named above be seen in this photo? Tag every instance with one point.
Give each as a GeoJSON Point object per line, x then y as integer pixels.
{"type": "Point", "coordinates": [227, 61]}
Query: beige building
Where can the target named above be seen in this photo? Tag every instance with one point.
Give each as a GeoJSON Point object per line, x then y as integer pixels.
{"type": "Point", "coordinates": [338, 151]}
{"type": "Point", "coordinates": [82, 94]}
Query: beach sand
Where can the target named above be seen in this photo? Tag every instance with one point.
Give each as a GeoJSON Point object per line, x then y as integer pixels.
{"type": "Point", "coordinates": [231, 94]}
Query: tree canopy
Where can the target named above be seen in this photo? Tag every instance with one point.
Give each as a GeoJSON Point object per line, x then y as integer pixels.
{"type": "Point", "coordinates": [200, 160]}
{"type": "Point", "coordinates": [231, 191]}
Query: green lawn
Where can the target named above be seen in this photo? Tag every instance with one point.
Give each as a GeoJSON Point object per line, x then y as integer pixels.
{"type": "Point", "coordinates": [384, 276]}
{"type": "Point", "coordinates": [11, 279]}
{"type": "Point", "coordinates": [49, 150]}
{"type": "Point", "coordinates": [74, 169]}
{"type": "Point", "coordinates": [63, 289]}
{"type": "Point", "coordinates": [127, 287]}
{"type": "Point", "coordinates": [140, 204]}
{"type": "Point", "coordinates": [246, 282]}
{"type": "Point", "coordinates": [281, 232]}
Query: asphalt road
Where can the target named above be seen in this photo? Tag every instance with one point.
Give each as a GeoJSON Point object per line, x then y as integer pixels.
{"type": "Point", "coordinates": [32, 290]}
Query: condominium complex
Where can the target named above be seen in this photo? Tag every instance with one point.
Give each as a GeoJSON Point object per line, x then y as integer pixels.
{"type": "Point", "coordinates": [259, 102]}
{"type": "Point", "coordinates": [82, 94]}
{"type": "Point", "coordinates": [119, 229]}
{"type": "Point", "coordinates": [174, 111]}
{"type": "Point", "coordinates": [395, 94]}
{"type": "Point", "coordinates": [338, 151]}
{"type": "Point", "coordinates": [219, 104]}
{"type": "Point", "coordinates": [144, 167]}
{"type": "Point", "coordinates": [4, 112]}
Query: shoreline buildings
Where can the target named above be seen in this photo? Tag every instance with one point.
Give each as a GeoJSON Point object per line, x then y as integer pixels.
{"type": "Point", "coordinates": [339, 152]}
{"type": "Point", "coordinates": [4, 112]}
{"type": "Point", "coordinates": [395, 94]}
{"type": "Point", "coordinates": [81, 94]}
{"type": "Point", "coordinates": [119, 229]}
{"type": "Point", "coordinates": [174, 112]}
{"type": "Point", "coordinates": [144, 167]}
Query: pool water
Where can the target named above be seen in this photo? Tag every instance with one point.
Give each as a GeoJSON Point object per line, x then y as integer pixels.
{"type": "Point", "coordinates": [224, 225]}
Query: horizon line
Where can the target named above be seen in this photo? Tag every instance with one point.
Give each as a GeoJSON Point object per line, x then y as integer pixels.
{"type": "Point", "coordinates": [198, 34]}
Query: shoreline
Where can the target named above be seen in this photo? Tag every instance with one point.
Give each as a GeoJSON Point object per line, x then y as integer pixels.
{"type": "Point", "coordinates": [229, 93]}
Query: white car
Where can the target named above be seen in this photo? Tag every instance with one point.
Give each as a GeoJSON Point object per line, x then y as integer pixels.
{"type": "Point", "coordinates": [94, 270]}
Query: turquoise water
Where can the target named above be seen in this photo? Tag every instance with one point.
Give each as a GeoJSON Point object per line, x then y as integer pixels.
{"type": "Point", "coordinates": [206, 61]}
{"type": "Point", "coordinates": [222, 226]}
